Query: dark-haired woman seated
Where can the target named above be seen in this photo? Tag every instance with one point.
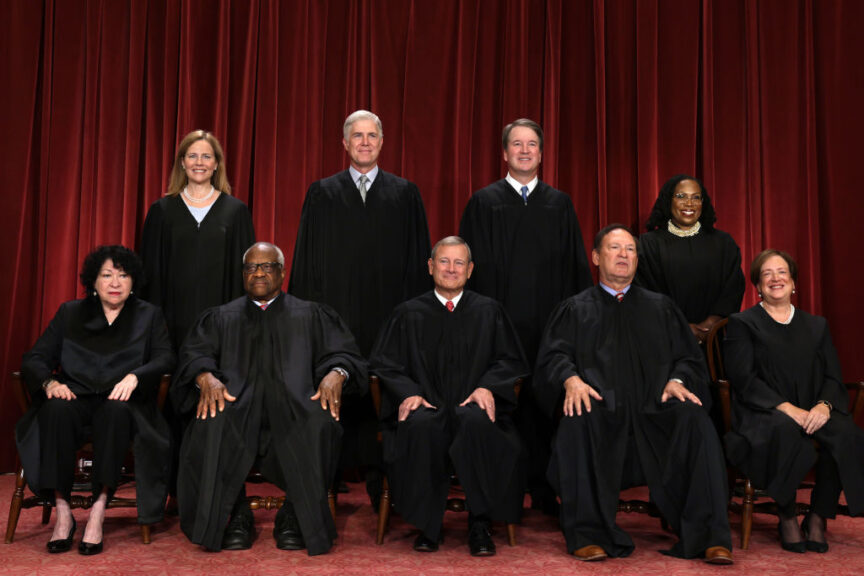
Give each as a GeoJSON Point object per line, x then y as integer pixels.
{"type": "Point", "coordinates": [787, 391]}
{"type": "Point", "coordinates": [98, 366]}
{"type": "Point", "coordinates": [683, 256]}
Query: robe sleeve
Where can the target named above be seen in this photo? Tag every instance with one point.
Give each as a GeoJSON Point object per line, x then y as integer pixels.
{"type": "Point", "coordinates": [582, 272]}
{"type": "Point", "coordinates": [161, 358]}
{"type": "Point", "coordinates": [558, 358]}
{"type": "Point", "coordinates": [305, 279]}
{"type": "Point", "coordinates": [199, 353]}
{"type": "Point", "coordinates": [417, 278]}
{"type": "Point", "coordinates": [832, 388]}
{"type": "Point", "coordinates": [507, 366]}
{"type": "Point", "coordinates": [688, 360]}
{"type": "Point", "coordinates": [649, 273]}
{"type": "Point", "coordinates": [242, 237]}
{"type": "Point", "coordinates": [474, 228]}
{"type": "Point", "coordinates": [732, 292]}
{"type": "Point", "coordinates": [750, 389]}
{"type": "Point", "coordinates": [151, 255]}
{"type": "Point", "coordinates": [336, 347]}
{"type": "Point", "coordinates": [40, 362]}
{"type": "Point", "coordinates": [390, 361]}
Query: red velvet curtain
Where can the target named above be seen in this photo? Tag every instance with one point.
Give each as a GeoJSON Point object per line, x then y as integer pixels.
{"type": "Point", "coordinates": [760, 98]}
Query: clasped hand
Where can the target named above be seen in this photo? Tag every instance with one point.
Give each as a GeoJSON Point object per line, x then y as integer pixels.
{"type": "Point", "coordinates": [810, 420]}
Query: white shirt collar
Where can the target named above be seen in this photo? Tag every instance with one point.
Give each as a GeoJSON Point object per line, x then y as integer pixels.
{"type": "Point", "coordinates": [455, 299]}
{"type": "Point", "coordinates": [517, 186]}
{"type": "Point", "coordinates": [371, 175]}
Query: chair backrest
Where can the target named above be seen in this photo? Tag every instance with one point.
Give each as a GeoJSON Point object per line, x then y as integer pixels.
{"type": "Point", "coordinates": [714, 349]}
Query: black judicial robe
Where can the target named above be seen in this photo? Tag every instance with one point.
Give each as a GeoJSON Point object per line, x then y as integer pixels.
{"type": "Point", "coordinates": [528, 257]}
{"type": "Point", "coordinates": [271, 360]}
{"type": "Point", "coordinates": [92, 356]}
{"type": "Point", "coordinates": [190, 268]}
{"type": "Point", "coordinates": [361, 259]}
{"type": "Point", "coordinates": [701, 273]}
{"type": "Point", "coordinates": [443, 356]}
{"type": "Point", "coordinates": [628, 351]}
{"type": "Point", "coordinates": [769, 363]}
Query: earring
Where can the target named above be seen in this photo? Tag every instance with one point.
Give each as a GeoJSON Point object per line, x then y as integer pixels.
{"type": "Point", "coordinates": [793, 290]}
{"type": "Point", "coordinates": [760, 295]}
{"type": "Point", "coordinates": [94, 293]}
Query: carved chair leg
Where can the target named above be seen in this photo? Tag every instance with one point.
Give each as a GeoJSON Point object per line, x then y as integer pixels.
{"type": "Point", "coordinates": [747, 514]}
{"type": "Point", "coordinates": [145, 533]}
{"type": "Point", "coordinates": [511, 534]}
{"type": "Point", "coordinates": [331, 500]}
{"type": "Point", "coordinates": [15, 505]}
{"type": "Point", "coordinates": [383, 511]}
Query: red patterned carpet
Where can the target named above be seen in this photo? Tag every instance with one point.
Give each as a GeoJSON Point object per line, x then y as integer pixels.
{"type": "Point", "coordinates": [540, 549]}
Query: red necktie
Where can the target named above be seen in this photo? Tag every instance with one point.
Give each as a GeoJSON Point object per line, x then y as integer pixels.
{"type": "Point", "coordinates": [264, 307]}
{"type": "Point", "coordinates": [450, 305]}
{"type": "Point", "coordinates": [619, 296]}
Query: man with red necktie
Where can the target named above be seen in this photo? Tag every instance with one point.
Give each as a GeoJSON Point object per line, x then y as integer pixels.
{"type": "Point", "coordinates": [448, 362]}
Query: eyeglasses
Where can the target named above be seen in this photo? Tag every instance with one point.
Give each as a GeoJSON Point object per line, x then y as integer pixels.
{"type": "Point", "coordinates": [267, 267]}
{"type": "Point", "coordinates": [685, 198]}
{"type": "Point", "coordinates": [194, 157]}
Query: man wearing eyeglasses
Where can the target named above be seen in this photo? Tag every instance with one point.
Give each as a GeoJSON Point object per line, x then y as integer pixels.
{"type": "Point", "coordinates": [264, 376]}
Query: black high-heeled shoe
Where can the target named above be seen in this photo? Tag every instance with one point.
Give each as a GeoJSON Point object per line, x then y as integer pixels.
{"type": "Point", "coordinates": [813, 545]}
{"type": "Point", "coordinates": [88, 549]}
{"type": "Point", "coordinates": [63, 544]}
{"type": "Point", "coordinates": [798, 547]}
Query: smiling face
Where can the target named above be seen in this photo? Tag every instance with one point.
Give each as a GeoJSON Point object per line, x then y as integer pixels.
{"type": "Point", "coordinates": [260, 285]}
{"type": "Point", "coordinates": [523, 153]}
{"type": "Point", "coordinates": [775, 281]}
{"type": "Point", "coordinates": [363, 144]}
{"type": "Point", "coordinates": [616, 259]}
{"type": "Point", "coordinates": [199, 162]}
{"type": "Point", "coordinates": [450, 269]}
{"type": "Point", "coordinates": [686, 204]}
{"type": "Point", "coordinates": [113, 285]}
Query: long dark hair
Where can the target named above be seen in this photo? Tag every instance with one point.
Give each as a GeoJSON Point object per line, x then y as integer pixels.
{"type": "Point", "coordinates": [661, 213]}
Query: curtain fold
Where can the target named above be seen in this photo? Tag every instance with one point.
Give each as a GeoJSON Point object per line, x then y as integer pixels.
{"type": "Point", "coordinates": [759, 98]}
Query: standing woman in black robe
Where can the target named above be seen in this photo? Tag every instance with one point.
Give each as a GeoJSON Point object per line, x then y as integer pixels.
{"type": "Point", "coordinates": [98, 365]}
{"type": "Point", "coordinates": [683, 256]}
{"type": "Point", "coordinates": [787, 391]}
{"type": "Point", "coordinates": [194, 237]}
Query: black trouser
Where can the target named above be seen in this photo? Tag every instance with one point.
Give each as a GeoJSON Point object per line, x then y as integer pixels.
{"type": "Point", "coordinates": [64, 425]}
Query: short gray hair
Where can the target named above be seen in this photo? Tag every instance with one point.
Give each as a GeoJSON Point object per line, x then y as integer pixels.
{"type": "Point", "coordinates": [360, 115]}
{"type": "Point", "coordinates": [279, 256]}
{"type": "Point", "coordinates": [451, 241]}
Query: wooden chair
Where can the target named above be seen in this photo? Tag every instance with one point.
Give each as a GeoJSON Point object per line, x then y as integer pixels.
{"type": "Point", "coordinates": [740, 485]}
{"type": "Point", "coordinates": [276, 502]}
{"type": "Point", "coordinates": [82, 475]}
{"type": "Point", "coordinates": [455, 503]}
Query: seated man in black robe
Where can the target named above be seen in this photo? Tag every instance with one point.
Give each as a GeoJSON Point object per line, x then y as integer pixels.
{"type": "Point", "coordinates": [634, 383]}
{"type": "Point", "coordinates": [448, 362]}
{"type": "Point", "coordinates": [265, 375]}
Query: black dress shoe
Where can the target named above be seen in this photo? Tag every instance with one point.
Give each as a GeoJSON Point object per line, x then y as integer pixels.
{"type": "Point", "coordinates": [424, 544]}
{"type": "Point", "coordinates": [480, 539]}
{"type": "Point", "coordinates": [88, 549]}
{"type": "Point", "coordinates": [63, 544]}
{"type": "Point", "coordinates": [240, 532]}
{"type": "Point", "coordinates": [286, 529]}
{"type": "Point", "coordinates": [797, 547]}
{"type": "Point", "coordinates": [813, 545]}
